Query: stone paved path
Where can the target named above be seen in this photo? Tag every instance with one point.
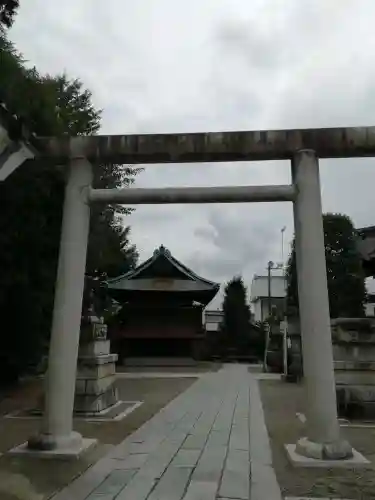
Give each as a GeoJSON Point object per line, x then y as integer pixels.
{"type": "Point", "coordinates": [209, 443]}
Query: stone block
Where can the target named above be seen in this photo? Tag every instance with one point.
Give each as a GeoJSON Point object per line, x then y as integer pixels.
{"type": "Point", "coordinates": [80, 386]}
{"type": "Point", "coordinates": [356, 402]}
{"type": "Point", "coordinates": [96, 348]}
{"type": "Point", "coordinates": [239, 438]}
{"type": "Point", "coordinates": [172, 485]}
{"type": "Point", "coordinates": [218, 438]}
{"type": "Point", "coordinates": [354, 354]}
{"type": "Point", "coordinates": [112, 485]}
{"type": "Point", "coordinates": [354, 377]}
{"type": "Point", "coordinates": [210, 465]}
{"type": "Point", "coordinates": [69, 453]}
{"type": "Point", "coordinates": [186, 458]}
{"type": "Point", "coordinates": [264, 483]}
{"type": "Point", "coordinates": [92, 332]}
{"type": "Point", "coordinates": [356, 461]}
{"type": "Point", "coordinates": [86, 403]}
{"type": "Point", "coordinates": [139, 488]}
{"type": "Point", "coordinates": [235, 482]}
{"type": "Point", "coordinates": [201, 490]}
{"type": "Point", "coordinates": [195, 441]}
{"type": "Point", "coordinates": [101, 359]}
{"type": "Point", "coordinates": [355, 365]}
{"type": "Point", "coordinates": [94, 387]}
{"type": "Point", "coordinates": [95, 371]}
{"type": "Point", "coordinates": [131, 462]}
{"type": "Point", "coordinates": [99, 386]}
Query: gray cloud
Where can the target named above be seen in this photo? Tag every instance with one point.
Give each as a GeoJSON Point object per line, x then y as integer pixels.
{"type": "Point", "coordinates": [165, 66]}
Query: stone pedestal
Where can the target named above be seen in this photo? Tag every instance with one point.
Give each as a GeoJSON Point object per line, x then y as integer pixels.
{"type": "Point", "coordinates": [96, 372]}
{"type": "Point", "coordinates": [354, 360]}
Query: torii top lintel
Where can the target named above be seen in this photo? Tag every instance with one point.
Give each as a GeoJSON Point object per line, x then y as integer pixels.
{"type": "Point", "coordinates": [212, 146]}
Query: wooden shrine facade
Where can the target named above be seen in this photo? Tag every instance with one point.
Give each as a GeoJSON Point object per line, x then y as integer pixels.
{"type": "Point", "coordinates": [161, 309]}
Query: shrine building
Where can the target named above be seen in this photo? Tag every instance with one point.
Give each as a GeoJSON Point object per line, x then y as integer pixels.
{"type": "Point", "coordinates": [161, 309]}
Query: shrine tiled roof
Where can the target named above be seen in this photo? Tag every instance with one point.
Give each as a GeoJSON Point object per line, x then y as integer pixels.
{"type": "Point", "coordinates": [163, 253]}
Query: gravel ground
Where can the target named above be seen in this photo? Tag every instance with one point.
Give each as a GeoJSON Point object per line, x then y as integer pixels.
{"type": "Point", "coordinates": [21, 475]}
{"type": "Point", "coordinates": [281, 402]}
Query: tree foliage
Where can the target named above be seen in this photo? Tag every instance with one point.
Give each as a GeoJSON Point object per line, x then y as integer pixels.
{"type": "Point", "coordinates": [345, 277]}
{"type": "Point", "coordinates": [236, 327]}
{"type": "Point", "coordinates": [8, 9]}
{"type": "Point", "coordinates": [116, 256]}
{"type": "Point", "coordinates": [31, 210]}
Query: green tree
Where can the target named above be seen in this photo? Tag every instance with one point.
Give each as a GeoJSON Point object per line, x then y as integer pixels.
{"type": "Point", "coordinates": [116, 255]}
{"type": "Point", "coordinates": [109, 252]}
{"type": "Point", "coordinates": [8, 9]}
{"type": "Point", "coordinates": [235, 329]}
{"type": "Point", "coordinates": [345, 277]}
{"type": "Point", "coordinates": [31, 209]}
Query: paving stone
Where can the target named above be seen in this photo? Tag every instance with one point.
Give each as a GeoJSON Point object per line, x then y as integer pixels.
{"type": "Point", "coordinates": [235, 482]}
{"type": "Point", "coordinates": [112, 485]}
{"type": "Point", "coordinates": [172, 485]}
{"type": "Point", "coordinates": [239, 438]}
{"type": "Point", "coordinates": [157, 463]}
{"type": "Point", "coordinates": [268, 491]}
{"type": "Point", "coordinates": [210, 465]}
{"type": "Point", "coordinates": [223, 420]}
{"type": "Point", "coordinates": [218, 438]}
{"type": "Point", "coordinates": [147, 446]}
{"type": "Point", "coordinates": [132, 461]}
{"type": "Point", "coordinates": [138, 488]}
{"type": "Point", "coordinates": [195, 441]}
{"type": "Point", "coordinates": [188, 421]}
{"type": "Point", "coordinates": [177, 436]}
{"type": "Point", "coordinates": [99, 496]}
{"type": "Point", "coordinates": [186, 458]}
{"type": "Point", "coordinates": [199, 447]}
{"type": "Point", "coordinates": [260, 450]}
{"type": "Point", "coordinates": [201, 490]}
{"type": "Point", "coordinates": [86, 484]}
{"type": "Point", "coordinates": [263, 482]}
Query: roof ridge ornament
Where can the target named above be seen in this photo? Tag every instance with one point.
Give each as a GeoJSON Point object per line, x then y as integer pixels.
{"type": "Point", "coordinates": [162, 250]}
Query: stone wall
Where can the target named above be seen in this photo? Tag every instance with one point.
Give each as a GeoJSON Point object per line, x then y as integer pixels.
{"type": "Point", "coordinates": [354, 360]}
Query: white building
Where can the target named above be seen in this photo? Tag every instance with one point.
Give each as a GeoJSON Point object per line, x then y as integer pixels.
{"type": "Point", "coordinates": [259, 295]}
{"type": "Point", "coordinates": [213, 320]}
{"type": "Point", "coordinates": [370, 306]}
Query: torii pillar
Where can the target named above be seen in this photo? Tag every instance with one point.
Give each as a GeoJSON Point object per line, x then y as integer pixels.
{"type": "Point", "coordinates": [57, 435]}
{"type": "Point", "coordinates": [323, 431]}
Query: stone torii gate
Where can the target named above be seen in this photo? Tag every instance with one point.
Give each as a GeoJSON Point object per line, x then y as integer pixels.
{"type": "Point", "coordinates": [302, 148]}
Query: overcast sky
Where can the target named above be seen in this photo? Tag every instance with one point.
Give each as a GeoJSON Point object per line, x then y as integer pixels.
{"type": "Point", "coordinates": [215, 65]}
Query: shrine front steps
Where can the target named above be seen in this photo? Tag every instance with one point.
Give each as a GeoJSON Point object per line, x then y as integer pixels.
{"type": "Point", "coordinates": [159, 362]}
